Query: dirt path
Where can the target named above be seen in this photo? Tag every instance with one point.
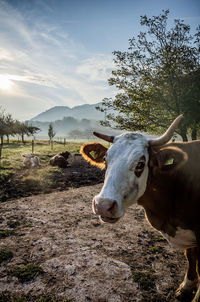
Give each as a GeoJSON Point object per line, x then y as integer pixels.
{"type": "Point", "coordinates": [82, 258]}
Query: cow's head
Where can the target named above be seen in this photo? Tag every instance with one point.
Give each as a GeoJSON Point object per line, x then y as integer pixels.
{"type": "Point", "coordinates": [127, 164]}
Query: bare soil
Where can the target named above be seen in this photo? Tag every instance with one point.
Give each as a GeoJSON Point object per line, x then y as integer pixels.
{"type": "Point", "coordinates": [78, 173]}
{"type": "Point", "coordinates": [83, 259]}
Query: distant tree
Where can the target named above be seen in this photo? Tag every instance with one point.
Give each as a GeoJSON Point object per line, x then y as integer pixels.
{"type": "Point", "coordinates": [85, 123]}
{"type": "Point", "coordinates": [22, 129]}
{"type": "Point", "coordinates": [33, 130]}
{"type": "Point", "coordinates": [75, 134]}
{"type": "Point", "coordinates": [87, 133]}
{"type": "Point", "coordinates": [9, 126]}
{"type": "Point", "coordinates": [6, 127]}
{"type": "Point", "coordinates": [2, 130]}
{"type": "Point", "coordinates": [157, 79]}
{"type": "Point", "coordinates": [51, 132]}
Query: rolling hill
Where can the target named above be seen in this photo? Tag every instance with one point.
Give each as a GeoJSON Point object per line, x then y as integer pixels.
{"type": "Point", "coordinates": [85, 111]}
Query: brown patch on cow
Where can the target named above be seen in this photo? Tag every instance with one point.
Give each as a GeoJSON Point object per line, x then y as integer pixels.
{"type": "Point", "coordinates": [58, 160]}
{"type": "Point", "coordinates": [65, 154]}
{"type": "Point", "coordinates": [94, 153]}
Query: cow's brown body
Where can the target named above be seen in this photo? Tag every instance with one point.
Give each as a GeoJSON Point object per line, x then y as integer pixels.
{"type": "Point", "coordinates": [60, 159]}
{"type": "Point", "coordinates": [173, 199]}
{"type": "Point", "coordinates": [140, 170]}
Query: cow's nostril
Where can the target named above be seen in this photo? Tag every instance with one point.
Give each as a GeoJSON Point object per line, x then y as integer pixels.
{"type": "Point", "coordinates": [104, 206]}
{"type": "Point", "coordinates": [113, 207]}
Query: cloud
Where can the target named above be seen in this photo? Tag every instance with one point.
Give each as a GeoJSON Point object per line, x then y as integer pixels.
{"type": "Point", "coordinates": [98, 67]}
{"type": "Point", "coordinates": [5, 55]}
{"type": "Point", "coordinates": [47, 66]}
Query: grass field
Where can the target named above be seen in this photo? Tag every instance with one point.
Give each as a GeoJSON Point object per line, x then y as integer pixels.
{"type": "Point", "coordinates": [15, 180]}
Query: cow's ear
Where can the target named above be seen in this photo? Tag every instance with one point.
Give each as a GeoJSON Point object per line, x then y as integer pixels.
{"type": "Point", "coordinates": [168, 159]}
{"type": "Point", "coordinates": [94, 153]}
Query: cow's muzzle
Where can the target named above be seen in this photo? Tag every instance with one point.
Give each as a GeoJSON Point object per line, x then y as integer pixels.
{"type": "Point", "coordinates": [106, 208]}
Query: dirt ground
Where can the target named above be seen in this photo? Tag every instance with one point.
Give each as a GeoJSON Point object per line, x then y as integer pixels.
{"type": "Point", "coordinates": [78, 173]}
{"type": "Point", "coordinates": [83, 259]}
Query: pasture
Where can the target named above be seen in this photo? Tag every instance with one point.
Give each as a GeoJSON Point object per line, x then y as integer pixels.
{"type": "Point", "coordinates": [17, 181]}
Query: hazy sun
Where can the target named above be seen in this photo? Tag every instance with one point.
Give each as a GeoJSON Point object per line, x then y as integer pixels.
{"type": "Point", "coordinates": [5, 82]}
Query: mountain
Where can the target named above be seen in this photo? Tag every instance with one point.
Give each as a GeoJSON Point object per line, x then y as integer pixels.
{"type": "Point", "coordinates": [85, 111]}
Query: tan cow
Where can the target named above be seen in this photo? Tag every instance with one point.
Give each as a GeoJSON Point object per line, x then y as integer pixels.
{"type": "Point", "coordinates": [31, 161]}
{"type": "Point", "coordinates": [162, 177]}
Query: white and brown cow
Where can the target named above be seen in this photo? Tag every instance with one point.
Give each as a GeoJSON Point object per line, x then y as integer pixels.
{"type": "Point", "coordinates": [162, 177]}
{"type": "Point", "coordinates": [31, 161]}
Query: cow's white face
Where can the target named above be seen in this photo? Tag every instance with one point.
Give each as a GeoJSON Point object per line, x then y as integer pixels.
{"type": "Point", "coordinates": [127, 167]}
{"type": "Point", "coordinates": [126, 176]}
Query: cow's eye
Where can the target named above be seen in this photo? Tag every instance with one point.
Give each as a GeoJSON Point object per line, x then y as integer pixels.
{"type": "Point", "coordinates": [140, 167]}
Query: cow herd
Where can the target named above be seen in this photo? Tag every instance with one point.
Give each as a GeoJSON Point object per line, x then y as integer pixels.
{"type": "Point", "coordinates": [60, 160]}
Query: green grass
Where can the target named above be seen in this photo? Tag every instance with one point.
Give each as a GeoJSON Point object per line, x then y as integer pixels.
{"type": "Point", "coordinates": [5, 297]}
{"type": "Point", "coordinates": [5, 255]}
{"type": "Point", "coordinates": [145, 279]}
{"type": "Point", "coordinates": [16, 181]}
{"type": "Point", "coordinates": [155, 249]}
{"type": "Point", "coordinates": [13, 224]}
{"type": "Point", "coordinates": [6, 233]}
{"type": "Point", "coordinates": [26, 273]}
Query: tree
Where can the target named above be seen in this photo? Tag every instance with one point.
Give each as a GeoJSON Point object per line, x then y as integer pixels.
{"type": "Point", "coordinates": [6, 127]}
{"type": "Point", "coordinates": [2, 130]}
{"type": "Point", "coordinates": [51, 132]}
{"type": "Point", "coordinates": [32, 130]}
{"type": "Point", "coordinates": [22, 129]}
{"type": "Point", "coordinates": [9, 126]}
{"type": "Point", "coordinates": [75, 134]}
{"type": "Point", "coordinates": [157, 79]}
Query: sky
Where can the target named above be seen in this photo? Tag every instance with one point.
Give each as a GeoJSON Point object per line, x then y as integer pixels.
{"type": "Point", "coordinates": [59, 52]}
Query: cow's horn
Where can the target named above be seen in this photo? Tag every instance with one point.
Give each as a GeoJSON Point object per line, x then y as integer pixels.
{"type": "Point", "coordinates": [107, 138]}
{"type": "Point", "coordinates": [168, 134]}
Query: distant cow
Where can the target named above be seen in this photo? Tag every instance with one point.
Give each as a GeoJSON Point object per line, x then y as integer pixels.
{"type": "Point", "coordinates": [60, 159]}
{"type": "Point", "coordinates": [162, 177]}
{"type": "Point", "coordinates": [65, 154]}
{"type": "Point", "coordinates": [31, 161]}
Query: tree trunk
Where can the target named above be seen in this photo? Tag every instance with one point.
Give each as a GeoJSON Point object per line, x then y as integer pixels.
{"type": "Point", "coordinates": [23, 138]}
{"type": "Point", "coordinates": [1, 146]}
{"type": "Point", "coordinates": [184, 137]}
{"type": "Point", "coordinates": [33, 144]}
{"type": "Point", "coordinates": [194, 134]}
{"type": "Point", "coordinates": [183, 133]}
{"type": "Point", "coordinates": [8, 139]}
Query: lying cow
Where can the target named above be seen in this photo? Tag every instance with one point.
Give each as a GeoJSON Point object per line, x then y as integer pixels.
{"type": "Point", "coordinates": [60, 159]}
{"type": "Point", "coordinates": [164, 179]}
{"type": "Point", "coordinates": [31, 161]}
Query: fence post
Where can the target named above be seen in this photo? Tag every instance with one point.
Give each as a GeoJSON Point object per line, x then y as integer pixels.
{"type": "Point", "coordinates": [33, 146]}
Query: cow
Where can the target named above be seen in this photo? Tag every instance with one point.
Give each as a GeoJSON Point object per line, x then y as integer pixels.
{"type": "Point", "coordinates": [31, 161]}
{"type": "Point", "coordinates": [161, 176]}
{"type": "Point", "coordinates": [60, 159]}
